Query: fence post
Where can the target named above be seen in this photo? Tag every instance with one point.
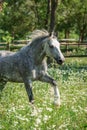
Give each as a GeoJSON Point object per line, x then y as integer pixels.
{"type": "Point", "coordinates": [66, 49]}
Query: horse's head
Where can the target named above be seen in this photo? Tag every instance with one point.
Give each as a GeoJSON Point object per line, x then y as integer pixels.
{"type": "Point", "coordinates": [52, 49]}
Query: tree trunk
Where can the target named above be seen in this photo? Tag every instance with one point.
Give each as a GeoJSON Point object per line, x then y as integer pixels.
{"type": "Point", "coordinates": [67, 34]}
{"type": "Point", "coordinates": [52, 16]}
{"type": "Point", "coordinates": [47, 14]}
{"type": "Point", "coordinates": [81, 38]}
{"type": "Point", "coordinates": [8, 46]}
{"type": "Point", "coordinates": [82, 32]}
{"type": "Point", "coordinates": [82, 28]}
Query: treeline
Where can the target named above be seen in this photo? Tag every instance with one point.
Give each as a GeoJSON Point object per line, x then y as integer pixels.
{"type": "Point", "coordinates": [19, 17]}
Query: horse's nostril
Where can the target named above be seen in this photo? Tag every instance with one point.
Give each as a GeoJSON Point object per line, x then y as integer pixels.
{"type": "Point", "coordinates": [60, 61]}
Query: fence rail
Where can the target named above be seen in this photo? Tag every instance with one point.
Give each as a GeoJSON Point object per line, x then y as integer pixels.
{"type": "Point", "coordinates": [66, 46]}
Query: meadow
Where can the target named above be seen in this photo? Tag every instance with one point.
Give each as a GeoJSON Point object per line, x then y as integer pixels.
{"type": "Point", "coordinates": [16, 113]}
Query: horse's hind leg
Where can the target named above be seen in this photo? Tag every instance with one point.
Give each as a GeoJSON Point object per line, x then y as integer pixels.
{"type": "Point", "coordinates": [2, 85]}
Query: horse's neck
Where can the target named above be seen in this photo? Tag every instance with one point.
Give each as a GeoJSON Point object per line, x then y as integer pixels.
{"type": "Point", "coordinates": [38, 53]}
{"type": "Point", "coordinates": [39, 56]}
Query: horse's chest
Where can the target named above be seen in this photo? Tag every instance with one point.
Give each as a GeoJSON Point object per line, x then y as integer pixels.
{"type": "Point", "coordinates": [37, 72]}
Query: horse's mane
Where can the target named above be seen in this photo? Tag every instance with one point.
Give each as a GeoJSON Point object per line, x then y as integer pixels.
{"type": "Point", "coordinates": [38, 34]}
{"type": "Point", "coordinates": [35, 37]}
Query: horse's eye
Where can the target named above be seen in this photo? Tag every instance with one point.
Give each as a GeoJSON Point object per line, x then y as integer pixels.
{"type": "Point", "coordinates": [51, 46]}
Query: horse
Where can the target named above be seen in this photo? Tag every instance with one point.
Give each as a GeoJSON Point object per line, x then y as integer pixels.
{"type": "Point", "coordinates": [5, 53]}
{"type": "Point", "coordinates": [29, 63]}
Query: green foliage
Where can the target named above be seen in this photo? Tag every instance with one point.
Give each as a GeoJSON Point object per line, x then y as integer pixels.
{"type": "Point", "coordinates": [74, 50]}
{"type": "Point", "coordinates": [21, 17]}
{"type": "Point", "coordinates": [18, 18]}
{"type": "Point", "coordinates": [72, 16]}
{"type": "Point", "coordinates": [17, 113]}
{"type": "Point", "coordinates": [7, 37]}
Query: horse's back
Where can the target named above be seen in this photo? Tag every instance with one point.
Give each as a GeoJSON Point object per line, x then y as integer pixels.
{"type": "Point", "coordinates": [5, 53]}
{"type": "Point", "coordinates": [8, 65]}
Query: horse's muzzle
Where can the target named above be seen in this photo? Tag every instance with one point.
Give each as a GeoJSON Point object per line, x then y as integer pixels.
{"type": "Point", "coordinates": [60, 61]}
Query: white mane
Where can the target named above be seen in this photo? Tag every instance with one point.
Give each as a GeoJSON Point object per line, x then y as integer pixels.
{"type": "Point", "coordinates": [38, 33]}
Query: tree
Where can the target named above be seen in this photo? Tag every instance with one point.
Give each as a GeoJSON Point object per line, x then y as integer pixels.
{"type": "Point", "coordinates": [39, 8]}
{"type": "Point", "coordinates": [18, 18]}
{"type": "Point", "coordinates": [72, 15]}
{"type": "Point", "coordinates": [45, 13]}
{"type": "Point", "coordinates": [1, 4]}
{"type": "Point", "coordinates": [54, 4]}
{"type": "Point", "coordinates": [81, 20]}
{"type": "Point", "coordinates": [65, 18]}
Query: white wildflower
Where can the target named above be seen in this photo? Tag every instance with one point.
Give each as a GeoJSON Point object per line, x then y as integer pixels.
{"type": "Point", "coordinates": [74, 109]}
{"type": "Point", "coordinates": [40, 110]}
{"type": "Point", "coordinates": [53, 126]}
{"type": "Point", "coordinates": [15, 123]}
{"type": "Point", "coordinates": [12, 109]}
{"type": "Point", "coordinates": [22, 118]}
{"type": "Point", "coordinates": [49, 109]}
{"type": "Point", "coordinates": [34, 112]}
{"type": "Point", "coordinates": [85, 109]}
{"type": "Point", "coordinates": [38, 121]}
{"type": "Point", "coordinates": [45, 118]}
{"type": "Point", "coordinates": [64, 125]}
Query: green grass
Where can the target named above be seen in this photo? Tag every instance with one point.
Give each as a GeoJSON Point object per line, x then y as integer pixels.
{"type": "Point", "coordinates": [74, 50]}
{"type": "Point", "coordinates": [16, 113]}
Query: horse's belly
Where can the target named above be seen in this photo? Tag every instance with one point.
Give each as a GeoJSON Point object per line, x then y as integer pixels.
{"type": "Point", "coordinates": [13, 77]}
{"type": "Point", "coordinates": [16, 79]}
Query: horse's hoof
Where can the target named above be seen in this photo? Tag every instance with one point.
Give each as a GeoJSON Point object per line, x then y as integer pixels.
{"type": "Point", "coordinates": [57, 103]}
{"type": "Point", "coordinates": [32, 102]}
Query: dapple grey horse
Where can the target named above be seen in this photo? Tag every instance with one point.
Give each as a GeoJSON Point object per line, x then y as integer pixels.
{"type": "Point", "coordinates": [5, 53]}
{"type": "Point", "coordinates": [29, 64]}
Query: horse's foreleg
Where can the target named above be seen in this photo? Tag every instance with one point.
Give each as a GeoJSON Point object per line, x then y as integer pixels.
{"type": "Point", "coordinates": [48, 79]}
{"type": "Point", "coordinates": [28, 86]}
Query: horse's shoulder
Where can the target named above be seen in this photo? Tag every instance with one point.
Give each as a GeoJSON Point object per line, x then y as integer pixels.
{"type": "Point", "coordinates": [44, 62]}
{"type": "Point", "coordinates": [43, 66]}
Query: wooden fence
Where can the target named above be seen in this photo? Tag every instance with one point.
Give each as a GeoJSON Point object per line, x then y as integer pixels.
{"type": "Point", "coordinates": [67, 46]}
{"type": "Point", "coordinates": [70, 47]}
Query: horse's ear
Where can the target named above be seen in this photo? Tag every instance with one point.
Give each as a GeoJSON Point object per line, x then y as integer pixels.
{"type": "Point", "coordinates": [51, 34]}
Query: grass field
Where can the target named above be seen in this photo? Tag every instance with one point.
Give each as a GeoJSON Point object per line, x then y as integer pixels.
{"type": "Point", "coordinates": [17, 114]}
